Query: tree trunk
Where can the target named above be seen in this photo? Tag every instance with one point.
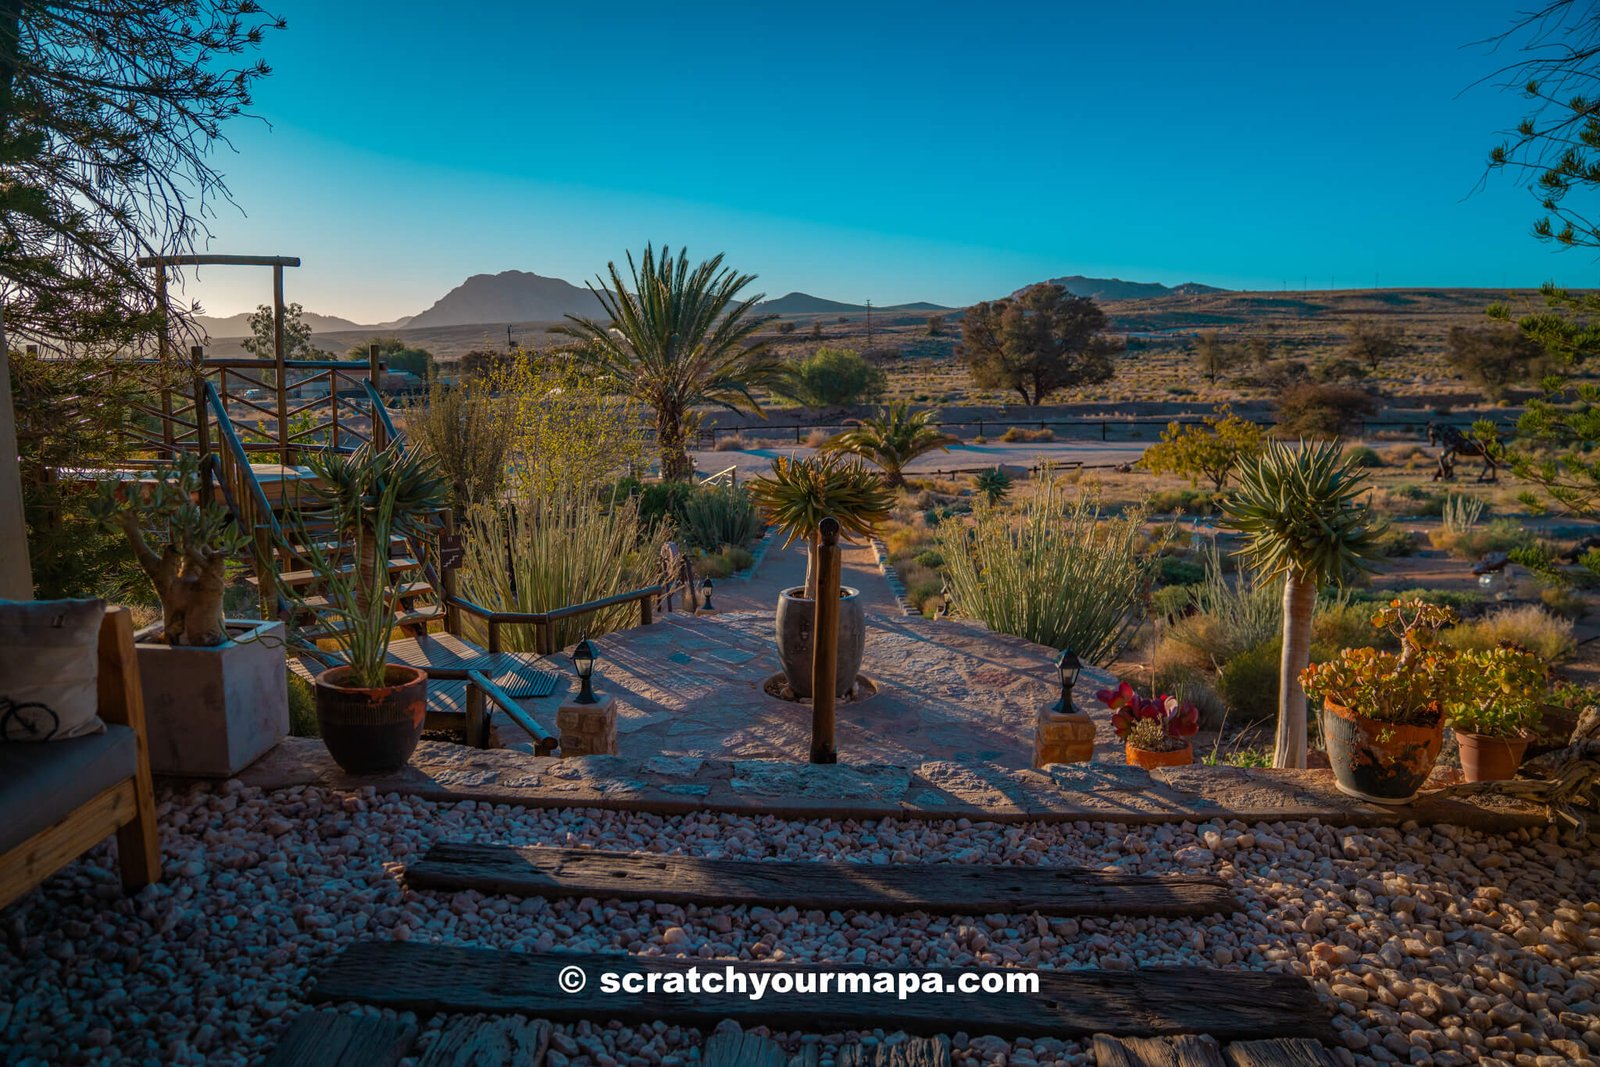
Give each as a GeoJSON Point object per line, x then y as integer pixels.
{"type": "Point", "coordinates": [16, 575]}
{"type": "Point", "coordinates": [813, 552]}
{"type": "Point", "coordinates": [1299, 600]}
{"type": "Point", "coordinates": [675, 463]}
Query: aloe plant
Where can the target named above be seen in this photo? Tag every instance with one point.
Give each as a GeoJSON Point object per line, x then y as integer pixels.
{"type": "Point", "coordinates": [1299, 513]}
{"type": "Point", "coordinates": [799, 493]}
{"type": "Point", "coordinates": [891, 439]}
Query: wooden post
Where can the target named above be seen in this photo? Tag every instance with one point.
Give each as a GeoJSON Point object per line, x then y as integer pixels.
{"type": "Point", "coordinates": [202, 423]}
{"type": "Point", "coordinates": [278, 361]}
{"type": "Point", "coordinates": [447, 575]}
{"type": "Point", "coordinates": [494, 636]}
{"type": "Point", "coordinates": [16, 572]}
{"type": "Point", "coordinates": [477, 717]}
{"type": "Point", "coordinates": [647, 611]}
{"type": "Point", "coordinates": [375, 376]}
{"type": "Point", "coordinates": [825, 645]}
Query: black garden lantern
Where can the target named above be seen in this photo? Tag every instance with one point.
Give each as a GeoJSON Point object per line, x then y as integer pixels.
{"type": "Point", "coordinates": [705, 587]}
{"type": "Point", "coordinates": [1068, 666]}
{"type": "Point", "coordinates": [583, 658]}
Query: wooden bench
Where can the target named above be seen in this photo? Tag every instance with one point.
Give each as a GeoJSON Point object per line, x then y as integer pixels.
{"type": "Point", "coordinates": [84, 789]}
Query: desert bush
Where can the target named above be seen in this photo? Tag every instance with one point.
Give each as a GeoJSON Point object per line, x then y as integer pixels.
{"type": "Point", "coordinates": [930, 558]}
{"type": "Point", "coordinates": [1248, 683]}
{"type": "Point", "coordinates": [1501, 535]}
{"type": "Point", "coordinates": [817, 438]}
{"type": "Point", "coordinates": [1363, 456]}
{"type": "Point", "coordinates": [466, 431]}
{"type": "Point", "coordinates": [730, 442]}
{"type": "Point", "coordinates": [556, 550]}
{"type": "Point", "coordinates": [1494, 357]}
{"type": "Point", "coordinates": [1527, 626]}
{"type": "Point", "coordinates": [1323, 410]}
{"type": "Point", "coordinates": [1337, 370]}
{"type": "Point", "coordinates": [1190, 501]}
{"type": "Point", "coordinates": [1465, 603]}
{"type": "Point", "coordinates": [721, 563]}
{"type": "Point", "coordinates": [1229, 617]}
{"type": "Point", "coordinates": [1409, 456]}
{"type": "Point", "coordinates": [1344, 624]}
{"type": "Point", "coordinates": [1059, 573]}
{"type": "Point", "coordinates": [1170, 603]}
{"type": "Point", "coordinates": [1193, 687]}
{"type": "Point", "coordinates": [1565, 601]}
{"type": "Point", "coordinates": [710, 516]}
{"type": "Point", "coordinates": [1175, 570]}
{"type": "Point", "coordinates": [1014, 434]}
{"type": "Point", "coordinates": [303, 721]}
{"type": "Point", "coordinates": [1396, 542]}
{"type": "Point", "coordinates": [833, 377]}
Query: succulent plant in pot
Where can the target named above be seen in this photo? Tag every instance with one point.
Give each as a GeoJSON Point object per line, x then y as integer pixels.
{"type": "Point", "coordinates": [1495, 709]}
{"type": "Point", "coordinates": [370, 711]}
{"type": "Point", "coordinates": [215, 689]}
{"type": "Point", "coordinates": [1383, 712]}
{"type": "Point", "coordinates": [795, 497]}
{"type": "Point", "coordinates": [1154, 730]}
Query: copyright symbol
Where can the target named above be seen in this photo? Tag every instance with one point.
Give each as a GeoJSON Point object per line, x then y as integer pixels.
{"type": "Point", "coordinates": [572, 979]}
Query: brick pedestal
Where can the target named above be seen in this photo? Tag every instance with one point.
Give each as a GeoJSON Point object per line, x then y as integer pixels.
{"type": "Point", "coordinates": [588, 729]}
{"type": "Point", "coordinates": [1062, 738]}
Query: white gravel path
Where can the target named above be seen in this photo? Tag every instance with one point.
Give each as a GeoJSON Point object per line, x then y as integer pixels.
{"type": "Point", "coordinates": [1440, 946]}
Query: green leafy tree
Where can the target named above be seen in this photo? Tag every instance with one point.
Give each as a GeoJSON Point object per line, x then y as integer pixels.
{"type": "Point", "coordinates": [1212, 355]}
{"type": "Point", "coordinates": [1039, 341]}
{"type": "Point", "coordinates": [832, 377]}
{"type": "Point", "coordinates": [1373, 343]}
{"type": "Point", "coordinates": [677, 337]}
{"type": "Point", "coordinates": [296, 334]}
{"type": "Point", "coordinates": [1494, 357]}
{"type": "Point", "coordinates": [1299, 512]}
{"type": "Point", "coordinates": [892, 439]}
{"type": "Point", "coordinates": [398, 356]}
{"type": "Point", "coordinates": [468, 435]}
{"type": "Point", "coordinates": [1210, 450]}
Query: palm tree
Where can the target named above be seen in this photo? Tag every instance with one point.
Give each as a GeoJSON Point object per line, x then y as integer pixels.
{"type": "Point", "coordinates": [675, 338]}
{"type": "Point", "coordinates": [893, 438]}
{"type": "Point", "coordinates": [1297, 510]}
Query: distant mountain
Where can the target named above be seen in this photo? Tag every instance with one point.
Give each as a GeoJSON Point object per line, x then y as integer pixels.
{"type": "Point", "coordinates": [510, 296]}
{"type": "Point", "coordinates": [239, 325]}
{"type": "Point", "coordinates": [1117, 289]}
{"type": "Point", "coordinates": [806, 304]}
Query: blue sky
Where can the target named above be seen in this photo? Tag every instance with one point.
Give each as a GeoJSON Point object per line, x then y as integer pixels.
{"type": "Point", "coordinates": [892, 151]}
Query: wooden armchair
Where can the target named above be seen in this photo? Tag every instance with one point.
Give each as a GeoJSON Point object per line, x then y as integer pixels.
{"type": "Point", "coordinates": [58, 799]}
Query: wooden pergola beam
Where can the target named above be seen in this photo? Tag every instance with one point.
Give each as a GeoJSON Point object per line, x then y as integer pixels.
{"type": "Point", "coordinates": [208, 260]}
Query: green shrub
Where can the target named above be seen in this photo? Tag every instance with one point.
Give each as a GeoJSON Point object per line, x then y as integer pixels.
{"type": "Point", "coordinates": [834, 377]}
{"type": "Point", "coordinates": [710, 516]}
{"type": "Point", "coordinates": [1230, 617]}
{"type": "Point", "coordinates": [1344, 624]}
{"type": "Point", "coordinates": [303, 720]}
{"type": "Point", "coordinates": [1058, 574]}
{"type": "Point", "coordinates": [1175, 570]}
{"type": "Point", "coordinates": [661, 502]}
{"type": "Point", "coordinates": [1323, 410]}
{"type": "Point", "coordinates": [1501, 535]}
{"type": "Point", "coordinates": [1193, 687]}
{"type": "Point", "coordinates": [1528, 626]}
{"type": "Point", "coordinates": [1464, 603]}
{"type": "Point", "coordinates": [1170, 602]}
{"type": "Point", "coordinates": [1565, 601]}
{"type": "Point", "coordinates": [1396, 542]}
{"type": "Point", "coordinates": [1363, 456]}
{"type": "Point", "coordinates": [1187, 501]}
{"type": "Point", "coordinates": [930, 558]}
{"type": "Point", "coordinates": [1248, 683]}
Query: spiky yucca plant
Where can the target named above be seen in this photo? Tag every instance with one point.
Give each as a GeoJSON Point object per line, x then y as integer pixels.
{"type": "Point", "coordinates": [800, 493]}
{"type": "Point", "coordinates": [1297, 508]}
{"type": "Point", "coordinates": [891, 439]}
{"type": "Point", "coordinates": [677, 337]}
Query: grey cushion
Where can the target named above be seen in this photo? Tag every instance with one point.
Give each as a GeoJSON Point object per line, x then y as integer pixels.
{"type": "Point", "coordinates": [42, 784]}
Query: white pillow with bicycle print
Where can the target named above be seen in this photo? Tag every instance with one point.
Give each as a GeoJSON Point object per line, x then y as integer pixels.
{"type": "Point", "coordinates": [49, 667]}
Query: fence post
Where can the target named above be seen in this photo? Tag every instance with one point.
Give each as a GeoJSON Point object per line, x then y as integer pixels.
{"type": "Point", "coordinates": [647, 611]}
{"type": "Point", "coordinates": [202, 424]}
{"type": "Point", "coordinates": [447, 575]}
{"type": "Point", "coordinates": [1103, 430]}
{"type": "Point", "coordinates": [285, 455]}
{"type": "Point", "coordinates": [825, 645]}
{"type": "Point", "coordinates": [477, 720]}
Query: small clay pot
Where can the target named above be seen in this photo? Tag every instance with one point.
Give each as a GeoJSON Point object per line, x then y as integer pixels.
{"type": "Point", "coordinates": [1490, 759]}
{"type": "Point", "coordinates": [1378, 761]}
{"type": "Point", "coordinates": [372, 731]}
{"type": "Point", "coordinates": [1150, 759]}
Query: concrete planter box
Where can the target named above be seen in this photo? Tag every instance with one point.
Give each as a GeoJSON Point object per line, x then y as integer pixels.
{"type": "Point", "coordinates": [211, 712]}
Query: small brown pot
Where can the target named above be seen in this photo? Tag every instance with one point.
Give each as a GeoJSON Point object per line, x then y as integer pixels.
{"type": "Point", "coordinates": [1150, 759]}
{"type": "Point", "coordinates": [372, 731]}
{"type": "Point", "coordinates": [1378, 761]}
{"type": "Point", "coordinates": [1490, 759]}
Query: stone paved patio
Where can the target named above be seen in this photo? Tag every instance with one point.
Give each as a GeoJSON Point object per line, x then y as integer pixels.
{"type": "Point", "coordinates": [947, 690]}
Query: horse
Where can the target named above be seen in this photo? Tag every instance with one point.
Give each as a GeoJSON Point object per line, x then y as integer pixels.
{"type": "Point", "coordinates": [1455, 444]}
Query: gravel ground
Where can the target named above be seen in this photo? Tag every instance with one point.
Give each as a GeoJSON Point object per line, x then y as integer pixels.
{"type": "Point", "coordinates": [1440, 946]}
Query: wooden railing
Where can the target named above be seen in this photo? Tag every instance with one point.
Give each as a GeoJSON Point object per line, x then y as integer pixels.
{"type": "Point", "coordinates": [544, 640]}
{"type": "Point", "coordinates": [243, 493]}
{"type": "Point", "coordinates": [725, 476]}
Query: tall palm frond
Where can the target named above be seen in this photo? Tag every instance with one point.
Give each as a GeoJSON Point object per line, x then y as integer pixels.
{"type": "Point", "coordinates": [892, 439]}
{"type": "Point", "coordinates": [677, 336]}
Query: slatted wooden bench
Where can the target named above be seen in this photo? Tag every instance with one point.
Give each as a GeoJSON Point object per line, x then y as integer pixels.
{"type": "Point", "coordinates": [944, 888]}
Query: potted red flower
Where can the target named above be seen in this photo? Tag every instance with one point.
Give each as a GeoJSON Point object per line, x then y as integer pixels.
{"type": "Point", "coordinates": [1154, 731]}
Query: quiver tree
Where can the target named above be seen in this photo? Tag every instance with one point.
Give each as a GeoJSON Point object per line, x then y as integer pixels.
{"type": "Point", "coordinates": [181, 544]}
{"type": "Point", "coordinates": [799, 493]}
{"type": "Point", "coordinates": [1298, 511]}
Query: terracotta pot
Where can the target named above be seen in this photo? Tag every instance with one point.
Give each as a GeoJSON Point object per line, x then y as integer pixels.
{"type": "Point", "coordinates": [371, 731]}
{"type": "Point", "coordinates": [1490, 759]}
{"type": "Point", "coordinates": [796, 617]}
{"type": "Point", "coordinates": [1150, 759]}
{"type": "Point", "coordinates": [1378, 761]}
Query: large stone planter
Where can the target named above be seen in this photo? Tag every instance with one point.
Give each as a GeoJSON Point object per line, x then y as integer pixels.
{"type": "Point", "coordinates": [211, 712]}
{"type": "Point", "coordinates": [1378, 761]}
{"type": "Point", "coordinates": [797, 619]}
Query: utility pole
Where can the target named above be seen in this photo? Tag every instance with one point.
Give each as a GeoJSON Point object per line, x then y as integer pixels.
{"type": "Point", "coordinates": [508, 338]}
{"type": "Point", "coordinates": [869, 325]}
